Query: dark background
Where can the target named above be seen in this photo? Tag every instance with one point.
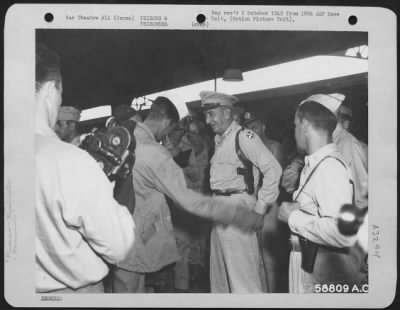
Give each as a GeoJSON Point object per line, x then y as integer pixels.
{"type": "Point", "coordinates": [111, 67]}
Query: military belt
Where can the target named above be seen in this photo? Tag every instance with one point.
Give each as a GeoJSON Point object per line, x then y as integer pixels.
{"type": "Point", "coordinates": [295, 245]}
{"type": "Point", "coordinates": [228, 192]}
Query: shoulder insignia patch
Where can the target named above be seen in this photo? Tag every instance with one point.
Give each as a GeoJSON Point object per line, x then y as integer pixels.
{"type": "Point", "coordinates": [250, 134]}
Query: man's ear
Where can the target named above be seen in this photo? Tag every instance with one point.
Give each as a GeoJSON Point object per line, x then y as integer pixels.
{"type": "Point", "coordinates": [227, 113]}
{"type": "Point", "coordinates": [305, 125]}
{"type": "Point", "coordinates": [45, 89]}
{"type": "Point", "coordinates": [167, 124]}
{"type": "Point", "coordinates": [346, 124]}
{"type": "Point", "coordinates": [49, 89]}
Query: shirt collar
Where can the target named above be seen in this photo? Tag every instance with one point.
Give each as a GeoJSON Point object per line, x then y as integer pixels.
{"type": "Point", "coordinates": [339, 131]}
{"type": "Point", "coordinates": [45, 130]}
{"type": "Point", "coordinates": [313, 159]}
{"type": "Point", "coordinates": [146, 130]}
{"type": "Point", "coordinates": [231, 128]}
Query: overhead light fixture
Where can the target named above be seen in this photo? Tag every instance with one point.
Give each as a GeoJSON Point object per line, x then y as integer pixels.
{"type": "Point", "coordinates": [358, 51]}
{"type": "Point", "coordinates": [233, 75]}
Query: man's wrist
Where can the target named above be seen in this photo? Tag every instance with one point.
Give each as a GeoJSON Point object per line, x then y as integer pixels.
{"type": "Point", "coordinates": [293, 218]}
{"type": "Point", "coordinates": [260, 208]}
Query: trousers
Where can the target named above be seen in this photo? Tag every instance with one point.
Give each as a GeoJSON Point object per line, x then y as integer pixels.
{"type": "Point", "coordinates": [235, 262]}
{"type": "Point", "coordinates": [299, 281]}
{"type": "Point", "coordinates": [329, 268]}
{"type": "Point", "coordinates": [124, 281]}
{"type": "Point", "coordinates": [275, 252]}
{"type": "Point", "coordinates": [181, 269]}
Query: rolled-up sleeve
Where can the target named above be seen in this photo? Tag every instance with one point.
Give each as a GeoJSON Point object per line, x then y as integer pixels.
{"type": "Point", "coordinates": [264, 160]}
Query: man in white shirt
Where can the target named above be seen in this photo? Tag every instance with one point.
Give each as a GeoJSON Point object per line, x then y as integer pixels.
{"type": "Point", "coordinates": [353, 151]}
{"type": "Point", "coordinates": [320, 253]}
{"type": "Point", "coordinates": [79, 226]}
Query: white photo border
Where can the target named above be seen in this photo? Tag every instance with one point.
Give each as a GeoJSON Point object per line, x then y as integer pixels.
{"type": "Point", "coordinates": [21, 22]}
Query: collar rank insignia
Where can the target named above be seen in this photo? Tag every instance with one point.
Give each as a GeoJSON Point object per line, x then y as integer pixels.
{"type": "Point", "coordinates": [250, 134]}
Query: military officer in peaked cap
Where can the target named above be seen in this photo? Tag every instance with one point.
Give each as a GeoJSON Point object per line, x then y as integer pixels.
{"type": "Point", "coordinates": [235, 265]}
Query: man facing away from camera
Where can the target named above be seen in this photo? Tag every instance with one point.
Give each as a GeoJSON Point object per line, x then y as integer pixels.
{"type": "Point", "coordinates": [235, 265]}
{"type": "Point", "coordinates": [156, 176]}
{"type": "Point", "coordinates": [79, 226]}
{"type": "Point", "coordinates": [320, 253]}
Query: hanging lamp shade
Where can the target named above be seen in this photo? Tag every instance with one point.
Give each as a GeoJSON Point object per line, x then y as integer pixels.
{"type": "Point", "coordinates": [233, 75]}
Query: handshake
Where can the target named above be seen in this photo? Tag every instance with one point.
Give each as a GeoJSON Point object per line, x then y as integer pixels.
{"type": "Point", "coordinates": [246, 218]}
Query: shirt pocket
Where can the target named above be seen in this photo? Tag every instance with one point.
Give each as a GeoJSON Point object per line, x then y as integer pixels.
{"type": "Point", "coordinates": [225, 167]}
{"type": "Point", "coordinates": [149, 230]}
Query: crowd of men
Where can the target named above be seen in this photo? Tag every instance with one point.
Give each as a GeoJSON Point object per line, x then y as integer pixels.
{"type": "Point", "coordinates": [200, 206]}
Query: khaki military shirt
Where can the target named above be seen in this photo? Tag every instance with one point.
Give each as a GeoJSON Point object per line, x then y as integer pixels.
{"type": "Point", "coordinates": [224, 164]}
{"type": "Point", "coordinates": [156, 176]}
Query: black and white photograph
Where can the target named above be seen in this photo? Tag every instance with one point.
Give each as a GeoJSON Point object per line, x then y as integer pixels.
{"type": "Point", "coordinates": [187, 162]}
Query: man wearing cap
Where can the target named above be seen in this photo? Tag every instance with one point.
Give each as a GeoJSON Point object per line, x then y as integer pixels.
{"type": "Point", "coordinates": [67, 124]}
{"type": "Point", "coordinates": [156, 176]}
{"type": "Point", "coordinates": [235, 265]}
{"type": "Point", "coordinates": [320, 253]}
{"type": "Point", "coordinates": [352, 150]}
